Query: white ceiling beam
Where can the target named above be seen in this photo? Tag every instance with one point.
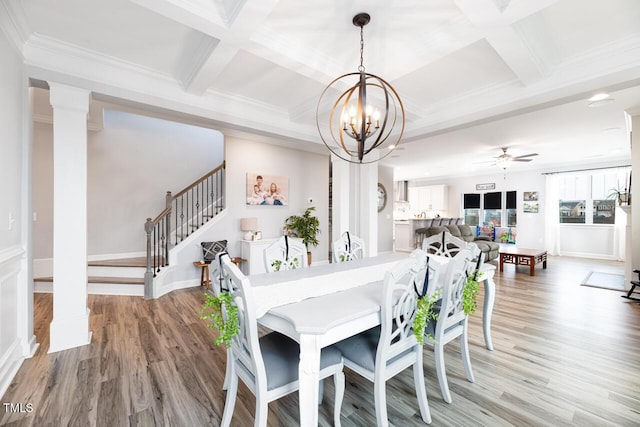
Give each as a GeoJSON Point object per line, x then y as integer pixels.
{"type": "Point", "coordinates": [239, 33]}
{"type": "Point", "coordinates": [205, 20]}
{"type": "Point", "coordinates": [496, 27]}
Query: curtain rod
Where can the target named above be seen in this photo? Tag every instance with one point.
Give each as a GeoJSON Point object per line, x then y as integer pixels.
{"type": "Point", "coordinates": [589, 169]}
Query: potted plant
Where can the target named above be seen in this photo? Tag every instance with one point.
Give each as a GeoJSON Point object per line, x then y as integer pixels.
{"type": "Point", "coordinates": [305, 227]}
{"type": "Point", "coordinates": [619, 194]}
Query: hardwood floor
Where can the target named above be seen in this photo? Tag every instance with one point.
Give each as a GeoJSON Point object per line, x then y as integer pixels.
{"type": "Point", "coordinates": [565, 355]}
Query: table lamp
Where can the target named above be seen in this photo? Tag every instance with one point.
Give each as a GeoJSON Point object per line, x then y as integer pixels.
{"type": "Point", "coordinates": [249, 225]}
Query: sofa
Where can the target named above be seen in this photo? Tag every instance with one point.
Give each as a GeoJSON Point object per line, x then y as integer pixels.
{"type": "Point", "coordinates": [490, 249]}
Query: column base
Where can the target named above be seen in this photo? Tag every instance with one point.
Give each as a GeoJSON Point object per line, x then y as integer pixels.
{"type": "Point", "coordinates": [69, 333]}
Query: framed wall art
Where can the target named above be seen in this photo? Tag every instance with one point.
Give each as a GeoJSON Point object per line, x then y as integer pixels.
{"type": "Point", "coordinates": [267, 190]}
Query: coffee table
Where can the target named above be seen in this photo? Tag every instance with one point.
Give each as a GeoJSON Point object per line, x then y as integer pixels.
{"type": "Point", "coordinates": [521, 256]}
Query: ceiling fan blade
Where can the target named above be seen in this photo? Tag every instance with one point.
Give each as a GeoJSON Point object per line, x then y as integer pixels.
{"type": "Point", "coordinates": [516, 159]}
{"type": "Point", "coordinates": [526, 155]}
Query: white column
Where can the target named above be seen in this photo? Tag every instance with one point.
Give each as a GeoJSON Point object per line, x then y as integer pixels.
{"type": "Point", "coordinates": [632, 258]}
{"type": "Point", "coordinates": [70, 325]}
{"type": "Point", "coordinates": [340, 185]}
{"type": "Point", "coordinates": [367, 202]}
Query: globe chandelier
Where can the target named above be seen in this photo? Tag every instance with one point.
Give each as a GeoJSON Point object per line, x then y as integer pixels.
{"type": "Point", "coordinates": [366, 117]}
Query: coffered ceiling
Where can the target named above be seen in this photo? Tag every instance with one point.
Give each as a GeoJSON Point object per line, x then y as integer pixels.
{"type": "Point", "coordinates": [474, 75]}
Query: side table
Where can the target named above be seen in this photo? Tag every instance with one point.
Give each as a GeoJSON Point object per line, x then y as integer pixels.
{"type": "Point", "coordinates": [205, 280]}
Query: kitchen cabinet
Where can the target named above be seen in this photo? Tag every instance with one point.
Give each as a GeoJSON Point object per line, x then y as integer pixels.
{"type": "Point", "coordinates": [403, 239]}
{"type": "Point", "coordinates": [429, 198]}
{"type": "Point", "coordinates": [405, 233]}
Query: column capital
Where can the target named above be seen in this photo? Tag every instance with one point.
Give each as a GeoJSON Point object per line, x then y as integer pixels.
{"type": "Point", "coordinates": [69, 98]}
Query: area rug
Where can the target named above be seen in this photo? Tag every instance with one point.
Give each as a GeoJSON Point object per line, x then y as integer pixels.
{"type": "Point", "coordinates": [595, 279]}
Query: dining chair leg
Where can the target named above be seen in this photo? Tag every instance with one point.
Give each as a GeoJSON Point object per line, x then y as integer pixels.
{"type": "Point", "coordinates": [464, 349]}
{"type": "Point", "coordinates": [262, 410]}
{"type": "Point", "coordinates": [442, 373]}
{"type": "Point", "coordinates": [230, 401]}
{"type": "Point", "coordinates": [380, 399]}
{"type": "Point", "coordinates": [228, 371]}
{"type": "Point", "coordinates": [338, 383]}
{"type": "Point", "coordinates": [421, 390]}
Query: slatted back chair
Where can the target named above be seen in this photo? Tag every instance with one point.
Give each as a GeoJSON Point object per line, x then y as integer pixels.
{"type": "Point", "coordinates": [285, 254]}
{"type": "Point", "coordinates": [452, 321]}
{"type": "Point", "coordinates": [348, 247]}
{"type": "Point", "coordinates": [268, 365]}
{"type": "Point", "coordinates": [380, 353]}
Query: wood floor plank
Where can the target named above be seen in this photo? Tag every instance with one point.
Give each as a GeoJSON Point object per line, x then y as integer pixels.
{"type": "Point", "coordinates": [565, 355]}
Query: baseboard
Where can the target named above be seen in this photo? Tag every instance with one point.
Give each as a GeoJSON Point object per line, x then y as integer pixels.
{"type": "Point", "coordinates": [174, 286]}
{"type": "Point", "coordinates": [96, 289]}
{"type": "Point", "coordinates": [9, 365]}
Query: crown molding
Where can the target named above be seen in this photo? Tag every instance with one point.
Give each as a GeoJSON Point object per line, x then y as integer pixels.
{"type": "Point", "coordinates": [13, 23]}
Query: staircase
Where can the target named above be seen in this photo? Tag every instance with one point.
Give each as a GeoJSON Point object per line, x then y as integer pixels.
{"type": "Point", "coordinates": [184, 214]}
{"type": "Point", "coordinates": [108, 277]}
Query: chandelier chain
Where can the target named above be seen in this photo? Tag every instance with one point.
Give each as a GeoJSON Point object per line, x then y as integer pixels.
{"type": "Point", "coordinates": [361, 67]}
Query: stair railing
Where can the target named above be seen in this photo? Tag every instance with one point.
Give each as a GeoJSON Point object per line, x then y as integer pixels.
{"type": "Point", "coordinates": [185, 212]}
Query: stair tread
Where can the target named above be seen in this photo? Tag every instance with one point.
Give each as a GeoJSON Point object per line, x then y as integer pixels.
{"type": "Point", "coordinates": [101, 279]}
{"type": "Point", "coordinates": [121, 262]}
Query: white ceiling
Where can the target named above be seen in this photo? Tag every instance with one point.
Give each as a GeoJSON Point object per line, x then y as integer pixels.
{"type": "Point", "coordinates": [474, 75]}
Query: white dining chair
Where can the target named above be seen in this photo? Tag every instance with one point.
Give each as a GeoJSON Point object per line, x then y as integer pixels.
{"type": "Point", "coordinates": [348, 247]}
{"type": "Point", "coordinates": [452, 321]}
{"type": "Point", "coordinates": [443, 244]}
{"type": "Point", "coordinates": [380, 353]}
{"type": "Point", "coordinates": [285, 254]}
{"type": "Point", "coordinates": [268, 365]}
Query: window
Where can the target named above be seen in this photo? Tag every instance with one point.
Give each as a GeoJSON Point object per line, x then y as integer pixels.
{"type": "Point", "coordinates": [589, 197]}
{"type": "Point", "coordinates": [493, 209]}
{"type": "Point", "coordinates": [512, 211]}
{"type": "Point", "coordinates": [471, 205]}
{"type": "Point", "coordinates": [491, 213]}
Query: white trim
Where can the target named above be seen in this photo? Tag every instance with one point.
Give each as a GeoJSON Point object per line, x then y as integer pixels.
{"type": "Point", "coordinates": [10, 254]}
{"type": "Point", "coordinates": [9, 364]}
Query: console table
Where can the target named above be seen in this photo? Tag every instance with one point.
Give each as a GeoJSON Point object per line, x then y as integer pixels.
{"type": "Point", "coordinates": [253, 252]}
{"type": "Point", "coordinates": [521, 256]}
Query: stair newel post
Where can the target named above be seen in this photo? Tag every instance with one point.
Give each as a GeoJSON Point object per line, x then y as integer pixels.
{"type": "Point", "coordinates": [148, 275]}
{"type": "Point", "coordinates": [169, 204]}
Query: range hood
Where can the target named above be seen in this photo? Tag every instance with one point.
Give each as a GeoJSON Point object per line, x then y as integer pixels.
{"type": "Point", "coordinates": [401, 191]}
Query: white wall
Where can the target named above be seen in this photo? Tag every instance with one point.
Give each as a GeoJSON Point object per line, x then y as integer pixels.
{"type": "Point", "coordinates": [12, 284]}
{"type": "Point", "coordinates": [132, 163]}
{"type": "Point", "coordinates": [10, 143]}
{"type": "Point", "coordinates": [308, 178]}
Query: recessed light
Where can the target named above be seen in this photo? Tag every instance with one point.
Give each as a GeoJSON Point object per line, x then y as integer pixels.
{"type": "Point", "coordinates": [599, 97]}
{"type": "Point", "coordinates": [600, 103]}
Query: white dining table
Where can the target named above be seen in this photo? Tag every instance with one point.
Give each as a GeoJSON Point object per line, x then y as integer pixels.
{"type": "Point", "coordinates": [323, 320]}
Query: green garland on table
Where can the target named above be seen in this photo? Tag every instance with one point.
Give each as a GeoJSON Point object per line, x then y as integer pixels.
{"type": "Point", "coordinates": [424, 314]}
{"type": "Point", "coordinates": [211, 313]}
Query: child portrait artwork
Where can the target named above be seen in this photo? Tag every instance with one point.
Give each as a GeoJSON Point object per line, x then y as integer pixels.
{"type": "Point", "coordinates": [267, 190]}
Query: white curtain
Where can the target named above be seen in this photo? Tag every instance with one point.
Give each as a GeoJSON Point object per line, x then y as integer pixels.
{"type": "Point", "coordinates": [620, 229]}
{"type": "Point", "coordinates": [551, 215]}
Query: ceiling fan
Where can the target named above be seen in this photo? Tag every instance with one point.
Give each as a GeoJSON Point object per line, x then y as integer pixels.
{"type": "Point", "coordinates": [505, 159]}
